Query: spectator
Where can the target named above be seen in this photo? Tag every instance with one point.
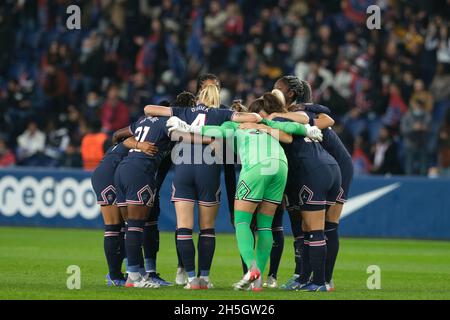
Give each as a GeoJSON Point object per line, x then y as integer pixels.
{"type": "Point", "coordinates": [71, 157]}
{"type": "Point", "coordinates": [31, 144]}
{"type": "Point", "coordinates": [215, 20]}
{"type": "Point", "coordinates": [361, 161]}
{"type": "Point", "coordinates": [422, 95]}
{"type": "Point", "coordinates": [444, 147]}
{"type": "Point", "coordinates": [385, 154]}
{"type": "Point", "coordinates": [396, 107]}
{"type": "Point", "coordinates": [114, 114]}
{"type": "Point", "coordinates": [92, 146]}
{"type": "Point", "coordinates": [7, 157]}
{"type": "Point", "coordinates": [56, 88]}
{"type": "Point", "coordinates": [343, 80]}
{"type": "Point", "coordinates": [56, 142]}
{"type": "Point", "coordinates": [415, 128]}
{"type": "Point", "coordinates": [155, 49]}
{"type": "Point", "coordinates": [440, 86]}
{"type": "Point", "coordinates": [300, 44]}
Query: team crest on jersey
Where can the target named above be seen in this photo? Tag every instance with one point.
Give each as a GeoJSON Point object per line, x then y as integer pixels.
{"type": "Point", "coordinates": [305, 195]}
{"type": "Point", "coordinates": [243, 190]}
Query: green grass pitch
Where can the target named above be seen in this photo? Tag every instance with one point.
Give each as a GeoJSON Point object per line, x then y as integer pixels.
{"type": "Point", "coordinates": [33, 263]}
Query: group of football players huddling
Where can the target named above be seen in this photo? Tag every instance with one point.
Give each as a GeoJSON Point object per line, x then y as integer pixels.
{"type": "Point", "coordinates": [278, 133]}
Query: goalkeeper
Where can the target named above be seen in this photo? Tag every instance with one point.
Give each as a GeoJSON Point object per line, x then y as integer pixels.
{"type": "Point", "coordinates": [262, 180]}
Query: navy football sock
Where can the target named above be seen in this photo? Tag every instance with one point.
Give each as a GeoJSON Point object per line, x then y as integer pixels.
{"type": "Point", "coordinates": [133, 244]}
{"type": "Point", "coordinates": [123, 251]}
{"type": "Point", "coordinates": [206, 247]}
{"type": "Point", "coordinates": [180, 262]}
{"type": "Point", "coordinates": [332, 239]}
{"type": "Point", "coordinates": [305, 267]}
{"type": "Point", "coordinates": [185, 246]}
{"type": "Point", "coordinates": [317, 255]}
{"type": "Point", "coordinates": [298, 243]}
{"type": "Point", "coordinates": [151, 245]}
{"type": "Point", "coordinates": [111, 244]}
{"type": "Point", "coordinates": [277, 250]}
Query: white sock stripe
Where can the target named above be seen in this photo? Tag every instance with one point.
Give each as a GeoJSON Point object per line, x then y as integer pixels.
{"type": "Point", "coordinates": [208, 235]}
{"type": "Point", "coordinates": [264, 229]}
{"type": "Point", "coordinates": [111, 234]}
{"type": "Point", "coordinates": [182, 237]}
{"type": "Point", "coordinates": [317, 243]}
{"type": "Point", "coordinates": [328, 230]}
{"type": "Point", "coordinates": [135, 229]}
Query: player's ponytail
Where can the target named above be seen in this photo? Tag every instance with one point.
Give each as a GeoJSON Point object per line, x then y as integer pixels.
{"type": "Point", "coordinates": [209, 96]}
{"type": "Point", "coordinates": [238, 106]}
{"type": "Point", "coordinates": [301, 89]}
{"type": "Point", "coordinates": [306, 94]}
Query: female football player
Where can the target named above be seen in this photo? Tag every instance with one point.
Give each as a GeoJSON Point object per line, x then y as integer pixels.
{"type": "Point", "coordinates": [293, 88]}
{"type": "Point", "coordinates": [135, 183]}
{"type": "Point", "coordinates": [103, 184]}
{"type": "Point", "coordinates": [190, 186]}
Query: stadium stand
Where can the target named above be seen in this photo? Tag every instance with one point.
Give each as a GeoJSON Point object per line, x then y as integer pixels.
{"type": "Point", "coordinates": [130, 53]}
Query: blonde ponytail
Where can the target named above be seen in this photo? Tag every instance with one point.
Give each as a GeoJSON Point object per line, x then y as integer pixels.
{"type": "Point", "coordinates": [209, 96]}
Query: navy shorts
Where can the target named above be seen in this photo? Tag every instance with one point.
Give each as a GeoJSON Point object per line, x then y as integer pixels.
{"type": "Point", "coordinates": [103, 184]}
{"type": "Point", "coordinates": [347, 177]}
{"type": "Point", "coordinates": [316, 190]}
{"type": "Point", "coordinates": [135, 183]}
{"type": "Point", "coordinates": [197, 183]}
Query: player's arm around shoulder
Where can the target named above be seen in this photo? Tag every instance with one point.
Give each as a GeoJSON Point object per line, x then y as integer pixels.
{"type": "Point", "coordinates": [296, 128]}
{"type": "Point", "coordinates": [122, 133]}
{"type": "Point", "coordinates": [225, 130]}
{"type": "Point", "coordinates": [157, 111]}
{"type": "Point", "coordinates": [297, 116]}
{"type": "Point", "coordinates": [323, 121]}
{"type": "Point", "coordinates": [246, 117]}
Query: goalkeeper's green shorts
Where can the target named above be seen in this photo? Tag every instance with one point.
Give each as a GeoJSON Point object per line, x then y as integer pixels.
{"type": "Point", "coordinates": [263, 182]}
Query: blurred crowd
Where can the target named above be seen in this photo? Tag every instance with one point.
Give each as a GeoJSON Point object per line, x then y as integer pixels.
{"type": "Point", "coordinates": [389, 89]}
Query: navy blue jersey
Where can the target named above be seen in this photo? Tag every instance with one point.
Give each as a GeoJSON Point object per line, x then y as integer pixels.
{"type": "Point", "coordinates": [154, 130]}
{"type": "Point", "coordinates": [115, 154]}
{"type": "Point", "coordinates": [331, 141]}
{"type": "Point", "coordinates": [317, 108]}
{"type": "Point", "coordinates": [202, 115]}
{"type": "Point", "coordinates": [305, 155]}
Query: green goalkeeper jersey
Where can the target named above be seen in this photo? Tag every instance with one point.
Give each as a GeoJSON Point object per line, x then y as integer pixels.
{"type": "Point", "coordinates": [254, 146]}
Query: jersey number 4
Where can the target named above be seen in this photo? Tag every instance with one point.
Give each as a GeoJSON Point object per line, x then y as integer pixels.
{"type": "Point", "coordinates": [199, 120]}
